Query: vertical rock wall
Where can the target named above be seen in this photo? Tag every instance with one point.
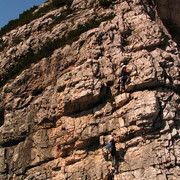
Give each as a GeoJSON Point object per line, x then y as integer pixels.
{"type": "Point", "coordinates": [169, 13]}
{"type": "Point", "coordinates": [57, 115]}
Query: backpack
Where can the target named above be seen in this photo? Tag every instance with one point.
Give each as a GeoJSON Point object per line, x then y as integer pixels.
{"type": "Point", "coordinates": [108, 176]}
{"type": "Point", "coordinates": [110, 147]}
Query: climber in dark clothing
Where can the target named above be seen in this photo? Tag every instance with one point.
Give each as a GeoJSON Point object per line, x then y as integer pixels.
{"type": "Point", "coordinates": [125, 77]}
{"type": "Point", "coordinates": [112, 149]}
{"type": "Point", "coordinates": [110, 174]}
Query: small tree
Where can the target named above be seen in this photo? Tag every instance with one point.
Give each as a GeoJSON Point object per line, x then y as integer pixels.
{"type": "Point", "coordinates": [59, 3]}
{"type": "Point", "coordinates": [17, 40]}
{"type": "Point", "coordinates": [2, 44]}
{"type": "Point", "coordinates": [105, 3]}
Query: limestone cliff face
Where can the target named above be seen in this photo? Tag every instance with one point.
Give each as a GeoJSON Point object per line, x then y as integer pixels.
{"type": "Point", "coordinates": [60, 100]}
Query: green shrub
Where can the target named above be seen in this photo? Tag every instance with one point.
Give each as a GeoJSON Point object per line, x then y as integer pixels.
{"type": "Point", "coordinates": [105, 3]}
{"type": "Point", "coordinates": [59, 19]}
{"type": "Point", "coordinates": [48, 48]}
{"type": "Point", "coordinates": [1, 116]}
{"type": "Point", "coordinates": [24, 18]}
{"type": "Point", "coordinates": [28, 16]}
{"type": "Point", "coordinates": [2, 45]}
{"type": "Point", "coordinates": [59, 3]}
{"type": "Point", "coordinates": [17, 39]}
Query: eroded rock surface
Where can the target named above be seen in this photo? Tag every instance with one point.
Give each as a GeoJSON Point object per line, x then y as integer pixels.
{"type": "Point", "coordinates": [58, 113]}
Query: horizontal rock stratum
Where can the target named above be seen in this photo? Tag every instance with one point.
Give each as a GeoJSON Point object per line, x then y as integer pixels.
{"type": "Point", "coordinates": [59, 92]}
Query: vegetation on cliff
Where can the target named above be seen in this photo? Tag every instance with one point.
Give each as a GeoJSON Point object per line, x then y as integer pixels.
{"type": "Point", "coordinates": [29, 15]}
{"type": "Point", "coordinates": [62, 103]}
{"type": "Point", "coordinates": [47, 49]}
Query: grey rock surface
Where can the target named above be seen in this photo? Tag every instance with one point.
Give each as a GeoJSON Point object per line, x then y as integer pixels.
{"type": "Point", "coordinates": [58, 113]}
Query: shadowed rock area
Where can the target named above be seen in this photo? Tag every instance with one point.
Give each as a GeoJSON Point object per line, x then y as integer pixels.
{"type": "Point", "coordinates": [169, 13]}
{"type": "Point", "coordinates": [60, 100]}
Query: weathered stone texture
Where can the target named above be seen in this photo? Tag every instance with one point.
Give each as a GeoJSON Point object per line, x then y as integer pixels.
{"type": "Point", "coordinates": [57, 115]}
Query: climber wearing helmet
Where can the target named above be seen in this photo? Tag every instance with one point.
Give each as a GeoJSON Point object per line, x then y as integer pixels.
{"type": "Point", "coordinates": [125, 77]}
{"type": "Point", "coordinates": [112, 149]}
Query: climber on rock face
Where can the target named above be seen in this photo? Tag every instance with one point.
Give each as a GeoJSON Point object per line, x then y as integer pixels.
{"type": "Point", "coordinates": [112, 149]}
{"type": "Point", "coordinates": [125, 78]}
